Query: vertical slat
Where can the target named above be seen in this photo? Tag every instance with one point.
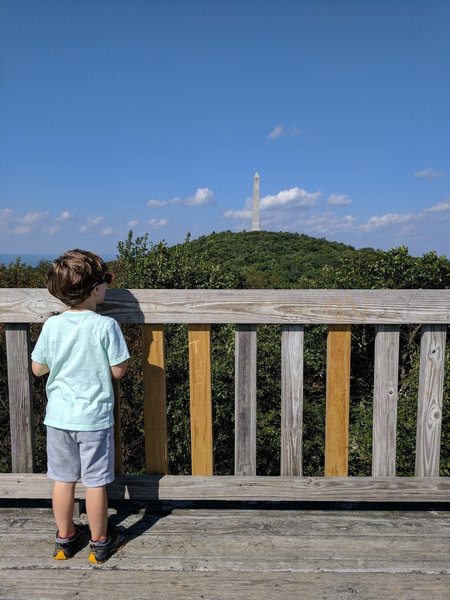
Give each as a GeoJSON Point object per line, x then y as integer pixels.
{"type": "Point", "coordinates": [118, 464]}
{"type": "Point", "coordinates": [245, 400]}
{"type": "Point", "coordinates": [338, 400]}
{"type": "Point", "coordinates": [155, 412]}
{"type": "Point", "coordinates": [200, 399]}
{"type": "Point", "coordinates": [292, 338]}
{"type": "Point", "coordinates": [429, 414]}
{"type": "Point", "coordinates": [20, 397]}
{"type": "Point", "coordinates": [385, 397]}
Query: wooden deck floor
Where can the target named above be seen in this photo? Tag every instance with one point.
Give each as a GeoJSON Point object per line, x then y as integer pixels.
{"type": "Point", "coordinates": [234, 553]}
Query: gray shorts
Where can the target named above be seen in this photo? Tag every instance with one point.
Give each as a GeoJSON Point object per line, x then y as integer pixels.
{"type": "Point", "coordinates": [88, 455]}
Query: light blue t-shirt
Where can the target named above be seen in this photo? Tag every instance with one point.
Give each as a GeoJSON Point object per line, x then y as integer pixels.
{"type": "Point", "coordinates": [79, 348]}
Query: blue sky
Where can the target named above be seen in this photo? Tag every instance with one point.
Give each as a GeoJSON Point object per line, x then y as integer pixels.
{"type": "Point", "coordinates": [153, 115]}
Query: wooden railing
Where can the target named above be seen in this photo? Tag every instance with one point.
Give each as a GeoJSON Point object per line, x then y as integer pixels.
{"type": "Point", "coordinates": [387, 310]}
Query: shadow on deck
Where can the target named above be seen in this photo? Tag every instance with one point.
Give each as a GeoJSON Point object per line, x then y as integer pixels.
{"type": "Point", "coordinates": [237, 550]}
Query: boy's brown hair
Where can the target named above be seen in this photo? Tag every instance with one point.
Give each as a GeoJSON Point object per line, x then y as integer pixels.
{"type": "Point", "coordinates": [73, 275]}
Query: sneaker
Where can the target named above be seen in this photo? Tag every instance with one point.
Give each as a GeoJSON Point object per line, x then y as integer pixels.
{"type": "Point", "coordinates": [101, 552]}
{"type": "Point", "coordinates": [66, 549]}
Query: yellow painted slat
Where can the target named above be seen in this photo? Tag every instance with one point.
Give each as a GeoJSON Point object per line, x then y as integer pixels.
{"type": "Point", "coordinates": [155, 409]}
{"type": "Point", "coordinates": [338, 400]}
{"type": "Point", "coordinates": [200, 399]}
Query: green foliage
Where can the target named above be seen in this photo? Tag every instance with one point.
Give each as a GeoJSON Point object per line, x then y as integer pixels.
{"type": "Point", "coordinates": [258, 260]}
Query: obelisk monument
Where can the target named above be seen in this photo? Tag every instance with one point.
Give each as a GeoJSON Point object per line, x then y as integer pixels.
{"type": "Point", "coordinates": [255, 214]}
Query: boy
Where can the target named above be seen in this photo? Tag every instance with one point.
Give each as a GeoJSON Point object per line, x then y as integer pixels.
{"type": "Point", "coordinates": [81, 350]}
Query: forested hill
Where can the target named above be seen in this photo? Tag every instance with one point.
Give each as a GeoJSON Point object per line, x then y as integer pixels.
{"type": "Point", "coordinates": [271, 259]}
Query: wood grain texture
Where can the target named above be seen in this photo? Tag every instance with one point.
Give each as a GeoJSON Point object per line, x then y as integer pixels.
{"type": "Point", "coordinates": [21, 408]}
{"type": "Point", "coordinates": [244, 553]}
{"type": "Point", "coordinates": [245, 400]}
{"type": "Point", "coordinates": [292, 338]}
{"type": "Point", "coordinates": [200, 399]}
{"type": "Point", "coordinates": [244, 306]}
{"type": "Point", "coordinates": [385, 397]}
{"type": "Point", "coordinates": [338, 400]}
{"type": "Point", "coordinates": [155, 409]}
{"type": "Point", "coordinates": [429, 412]}
{"type": "Point", "coordinates": [246, 488]}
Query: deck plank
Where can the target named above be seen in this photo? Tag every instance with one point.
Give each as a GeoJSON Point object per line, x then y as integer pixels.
{"type": "Point", "coordinates": [236, 553]}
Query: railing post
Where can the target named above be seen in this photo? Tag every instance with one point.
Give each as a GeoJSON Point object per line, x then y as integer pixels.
{"type": "Point", "coordinates": [338, 400]}
{"type": "Point", "coordinates": [385, 396]}
{"type": "Point", "coordinates": [292, 337]}
{"type": "Point", "coordinates": [245, 401]}
{"type": "Point", "coordinates": [200, 399]}
{"type": "Point", "coordinates": [18, 350]}
{"type": "Point", "coordinates": [429, 412]}
{"type": "Point", "coordinates": [155, 412]}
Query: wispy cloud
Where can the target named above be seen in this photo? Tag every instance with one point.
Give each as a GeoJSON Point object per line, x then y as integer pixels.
{"type": "Point", "coordinates": [202, 197]}
{"type": "Point", "coordinates": [280, 131]}
{"type": "Point", "coordinates": [238, 214]}
{"type": "Point", "coordinates": [387, 220]}
{"type": "Point", "coordinates": [65, 216]}
{"type": "Point", "coordinates": [91, 223]}
{"type": "Point", "coordinates": [429, 173]}
{"type": "Point", "coordinates": [339, 200]}
{"type": "Point", "coordinates": [133, 223]}
{"type": "Point", "coordinates": [157, 223]}
{"type": "Point", "coordinates": [29, 222]}
{"type": "Point", "coordinates": [439, 207]}
{"type": "Point", "coordinates": [6, 215]}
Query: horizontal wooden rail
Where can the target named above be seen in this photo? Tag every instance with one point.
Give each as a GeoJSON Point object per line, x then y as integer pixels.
{"type": "Point", "coordinates": [244, 306]}
{"type": "Point", "coordinates": [229, 488]}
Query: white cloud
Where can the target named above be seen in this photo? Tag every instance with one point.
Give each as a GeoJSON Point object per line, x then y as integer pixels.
{"type": "Point", "coordinates": [160, 203]}
{"type": "Point", "coordinates": [238, 214]}
{"type": "Point", "coordinates": [429, 173]}
{"type": "Point", "coordinates": [292, 198]}
{"type": "Point", "coordinates": [201, 197]}
{"type": "Point", "coordinates": [339, 200]}
{"type": "Point", "coordinates": [52, 229]}
{"type": "Point", "coordinates": [91, 223]}
{"type": "Point", "coordinates": [387, 220]}
{"type": "Point", "coordinates": [280, 131]}
{"type": "Point", "coordinates": [32, 218]}
{"type": "Point", "coordinates": [107, 231]}
{"type": "Point", "coordinates": [64, 216]}
{"type": "Point", "coordinates": [133, 223]}
{"type": "Point", "coordinates": [157, 223]}
{"type": "Point", "coordinates": [276, 133]}
{"type": "Point", "coordinates": [328, 222]}
{"type": "Point", "coordinates": [440, 207]}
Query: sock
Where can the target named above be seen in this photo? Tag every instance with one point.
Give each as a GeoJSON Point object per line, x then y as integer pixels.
{"type": "Point", "coordinates": [64, 540]}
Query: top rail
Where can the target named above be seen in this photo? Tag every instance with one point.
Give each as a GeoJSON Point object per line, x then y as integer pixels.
{"type": "Point", "coordinates": [380, 307]}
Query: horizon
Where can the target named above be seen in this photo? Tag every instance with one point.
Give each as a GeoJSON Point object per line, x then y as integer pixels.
{"type": "Point", "coordinates": [155, 117]}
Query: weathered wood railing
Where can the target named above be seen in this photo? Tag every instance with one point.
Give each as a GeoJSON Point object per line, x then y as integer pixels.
{"type": "Point", "coordinates": [292, 309]}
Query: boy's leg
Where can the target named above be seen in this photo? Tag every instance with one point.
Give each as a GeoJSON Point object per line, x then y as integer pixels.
{"type": "Point", "coordinates": [97, 512]}
{"type": "Point", "coordinates": [63, 500]}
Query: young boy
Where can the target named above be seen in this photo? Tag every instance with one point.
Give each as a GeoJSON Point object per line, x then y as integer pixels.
{"type": "Point", "coordinates": [81, 350]}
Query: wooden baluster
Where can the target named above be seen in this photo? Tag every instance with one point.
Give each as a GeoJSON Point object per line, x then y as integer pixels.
{"type": "Point", "coordinates": [429, 413]}
{"type": "Point", "coordinates": [200, 399]}
{"type": "Point", "coordinates": [292, 337]}
{"type": "Point", "coordinates": [155, 411]}
{"type": "Point", "coordinates": [18, 350]}
{"type": "Point", "coordinates": [245, 400]}
{"type": "Point", "coordinates": [385, 396]}
{"type": "Point", "coordinates": [338, 400]}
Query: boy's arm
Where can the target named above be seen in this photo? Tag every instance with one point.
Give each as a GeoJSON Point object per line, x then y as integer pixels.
{"type": "Point", "coordinates": [118, 371]}
{"type": "Point", "coordinates": [39, 368]}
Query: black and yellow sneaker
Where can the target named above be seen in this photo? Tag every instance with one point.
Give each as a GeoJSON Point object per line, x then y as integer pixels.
{"type": "Point", "coordinates": [66, 547]}
{"type": "Point", "coordinates": [100, 552]}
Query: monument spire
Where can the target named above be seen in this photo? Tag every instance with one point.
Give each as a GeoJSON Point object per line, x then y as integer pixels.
{"type": "Point", "coordinates": [255, 214]}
